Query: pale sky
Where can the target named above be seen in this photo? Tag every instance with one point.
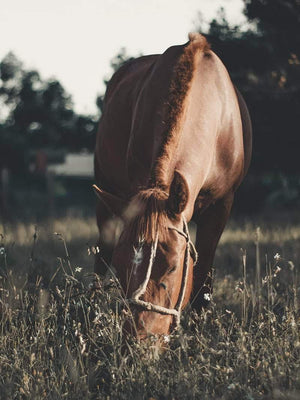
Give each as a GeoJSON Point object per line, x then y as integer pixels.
{"type": "Point", "coordinates": [74, 40]}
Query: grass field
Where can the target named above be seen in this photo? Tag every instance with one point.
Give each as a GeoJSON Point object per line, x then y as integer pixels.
{"type": "Point", "coordinates": [60, 340]}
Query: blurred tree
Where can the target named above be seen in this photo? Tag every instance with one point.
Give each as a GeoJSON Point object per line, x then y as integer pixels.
{"type": "Point", "coordinates": [278, 21]}
{"type": "Point", "coordinates": [37, 114]}
{"type": "Point", "coordinates": [10, 72]}
{"type": "Point", "coordinates": [263, 60]}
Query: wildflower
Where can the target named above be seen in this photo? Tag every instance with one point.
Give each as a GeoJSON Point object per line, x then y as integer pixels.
{"type": "Point", "coordinates": [2, 250]}
{"type": "Point", "coordinates": [78, 269]}
{"type": "Point", "coordinates": [95, 249]}
{"type": "Point", "coordinates": [278, 269]}
{"type": "Point", "coordinates": [277, 256]}
{"type": "Point", "coordinates": [207, 296]}
{"type": "Point", "coordinates": [166, 338]}
{"type": "Point", "coordinates": [292, 265]}
{"type": "Point", "coordinates": [82, 341]}
{"type": "Point", "coordinates": [97, 318]}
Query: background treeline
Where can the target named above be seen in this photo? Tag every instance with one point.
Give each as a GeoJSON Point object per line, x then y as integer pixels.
{"type": "Point", "coordinates": [38, 127]}
{"type": "Point", "coordinates": [37, 114]}
{"type": "Point", "coordinates": [263, 58]}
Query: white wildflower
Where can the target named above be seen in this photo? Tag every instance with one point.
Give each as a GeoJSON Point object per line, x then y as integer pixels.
{"type": "Point", "coordinates": [207, 296]}
{"type": "Point", "coordinates": [277, 256]}
{"type": "Point", "coordinates": [166, 338]}
{"type": "Point", "coordinates": [278, 269]}
{"type": "Point", "coordinates": [292, 265]}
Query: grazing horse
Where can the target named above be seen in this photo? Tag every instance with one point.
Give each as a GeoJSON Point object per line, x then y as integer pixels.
{"type": "Point", "coordinates": [173, 145]}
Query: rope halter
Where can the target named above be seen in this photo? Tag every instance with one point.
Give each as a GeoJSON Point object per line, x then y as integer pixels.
{"type": "Point", "coordinates": [137, 294]}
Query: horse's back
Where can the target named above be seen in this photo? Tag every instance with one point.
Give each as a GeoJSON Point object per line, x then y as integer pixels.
{"type": "Point", "coordinates": [115, 123]}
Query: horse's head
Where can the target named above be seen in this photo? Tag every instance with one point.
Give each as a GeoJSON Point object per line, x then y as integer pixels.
{"type": "Point", "coordinates": [154, 259]}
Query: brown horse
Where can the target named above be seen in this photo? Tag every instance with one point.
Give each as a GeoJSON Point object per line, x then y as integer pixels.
{"type": "Point", "coordinates": [174, 143]}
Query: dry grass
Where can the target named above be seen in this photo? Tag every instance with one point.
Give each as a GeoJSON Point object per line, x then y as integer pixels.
{"type": "Point", "coordinates": [60, 340]}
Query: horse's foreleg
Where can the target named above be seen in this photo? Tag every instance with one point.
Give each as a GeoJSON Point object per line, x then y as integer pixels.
{"type": "Point", "coordinates": [210, 226]}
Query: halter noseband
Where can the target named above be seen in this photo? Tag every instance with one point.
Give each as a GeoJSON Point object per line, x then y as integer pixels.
{"type": "Point", "coordinates": [176, 312]}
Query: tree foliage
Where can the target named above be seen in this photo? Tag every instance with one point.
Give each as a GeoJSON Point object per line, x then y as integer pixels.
{"type": "Point", "coordinates": [38, 114]}
{"type": "Point", "coordinates": [263, 61]}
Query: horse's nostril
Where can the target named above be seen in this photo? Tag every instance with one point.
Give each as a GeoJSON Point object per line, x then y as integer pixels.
{"type": "Point", "coordinates": [163, 285]}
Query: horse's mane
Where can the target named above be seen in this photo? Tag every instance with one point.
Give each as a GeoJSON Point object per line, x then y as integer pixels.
{"type": "Point", "coordinates": [147, 215]}
{"type": "Point", "coordinates": [147, 211]}
{"type": "Point", "coordinates": [180, 83]}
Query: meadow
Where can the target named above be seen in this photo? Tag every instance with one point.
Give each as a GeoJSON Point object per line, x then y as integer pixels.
{"type": "Point", "coordinates": [60, 339]}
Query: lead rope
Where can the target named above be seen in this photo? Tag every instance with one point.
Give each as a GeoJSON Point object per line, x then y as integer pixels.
{"type": "Point", "coordinates": [176, 312]}
{"type": "Point", "coordinates": [142, 288]}
{"type": "Point", "coordinates": [185, 274]}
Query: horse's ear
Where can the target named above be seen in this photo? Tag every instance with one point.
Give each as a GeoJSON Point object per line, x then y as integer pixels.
{"type": "Point", "coordinates": [113, 203]}
{"type": "Point", "coordinates": [179, 194]}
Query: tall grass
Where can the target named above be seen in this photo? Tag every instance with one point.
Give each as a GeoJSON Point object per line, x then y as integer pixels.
{"type": "Point", "coordinates": [62, 339]}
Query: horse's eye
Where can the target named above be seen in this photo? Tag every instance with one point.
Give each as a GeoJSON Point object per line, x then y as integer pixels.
{"type": "Point", "coordinates": [163, 285]}
{"type": "Point", "coordinates": [171, 270]}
